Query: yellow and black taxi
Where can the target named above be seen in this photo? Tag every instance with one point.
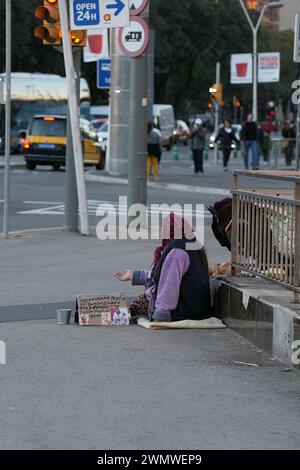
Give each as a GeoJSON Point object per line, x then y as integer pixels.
{"type": "Point", "coordinates": [45, 143]}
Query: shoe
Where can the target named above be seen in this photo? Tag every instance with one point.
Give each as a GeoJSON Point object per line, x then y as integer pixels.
{"type": "Point", "coordinates": [226, 168]}
{"type": "Point", "coordinates": [156, 178]}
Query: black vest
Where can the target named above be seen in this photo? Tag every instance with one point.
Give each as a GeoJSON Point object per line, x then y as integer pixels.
{"type": "Point", "coordinates": [194, 295]}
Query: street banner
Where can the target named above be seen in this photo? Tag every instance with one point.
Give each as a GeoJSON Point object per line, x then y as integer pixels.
{"type": "Point", "coordinates": [269, 67]}
{"type": "Point", "coordinates": [96, 46]}
{"type": "Point", "coordinates": [241, 69]}
{"type": "Point", "coordinates": [95, 14]}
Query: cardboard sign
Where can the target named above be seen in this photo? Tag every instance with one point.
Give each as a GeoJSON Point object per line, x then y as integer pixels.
{"type": "Point", "coordinates": [101, 310]}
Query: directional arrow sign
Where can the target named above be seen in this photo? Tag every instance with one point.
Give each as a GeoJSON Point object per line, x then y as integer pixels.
{"type": "Point", "coordinates": [118, 6]}
{"type": "Point", "coordinates": [94, 14]}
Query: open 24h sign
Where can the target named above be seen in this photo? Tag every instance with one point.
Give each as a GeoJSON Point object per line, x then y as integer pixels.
{"type": "Point", "coordinates": [94, 14]}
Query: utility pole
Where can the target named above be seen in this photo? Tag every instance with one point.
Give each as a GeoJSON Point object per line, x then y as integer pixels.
{"type": "Point", "coordinates": [7, 117]}
{"type": "Point", "coordinates": [217, 110]}
{"type": "Point", "coordinates": [118, 109]}
{"type": "Point", "coordinates": [71, 196]}
{"type": "Point", "coordinates": [137, 180]}
{"type": "Point", "coordinates": [151, 55]}
{"type": "Point", "coordinates": [74, 118]}
{"type": "Point", "coordinates": [254, 30]}
{"type": "Point", "coordinates": [297, 137]}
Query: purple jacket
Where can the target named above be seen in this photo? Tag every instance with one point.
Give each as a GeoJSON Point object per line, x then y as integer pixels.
{"type": "Point", "coordinates": [174, 268]}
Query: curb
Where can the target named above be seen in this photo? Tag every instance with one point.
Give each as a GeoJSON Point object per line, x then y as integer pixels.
{"type": "Point", "coordinates": [14, 165]}
{"type": "Point", "coordinates": [157, 185]}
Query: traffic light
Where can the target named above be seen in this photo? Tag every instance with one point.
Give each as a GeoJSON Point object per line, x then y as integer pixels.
{"type": "Point", "coordinates": [78, 38]}
{"type": "Point", "coordinates": [49, 31]}
{"type": "Point", "coordinates": [251, 5]}
{"type": "Point", "coordinates": [216, 92]}
{"type": "Point", "coordinates": [236, 103]}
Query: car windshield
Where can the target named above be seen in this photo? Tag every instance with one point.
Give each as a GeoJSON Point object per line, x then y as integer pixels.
{"type": "Point", "coordinates": [49, 127]}
{"type": "Point", "coordinates": [104, 127]}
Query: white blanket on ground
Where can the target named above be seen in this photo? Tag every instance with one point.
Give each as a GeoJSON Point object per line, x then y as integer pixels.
{"type": "Point", "coordinates": [212, 323]}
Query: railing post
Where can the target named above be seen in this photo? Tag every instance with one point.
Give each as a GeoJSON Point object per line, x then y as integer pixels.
{"type": "Point", "coordinates": [235, 218]}
{"type": "Point", "coordinates": [297, 238]}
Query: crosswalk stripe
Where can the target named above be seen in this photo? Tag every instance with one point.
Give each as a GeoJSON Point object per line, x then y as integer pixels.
{"type": "Point", "coordinates": [57, 208]}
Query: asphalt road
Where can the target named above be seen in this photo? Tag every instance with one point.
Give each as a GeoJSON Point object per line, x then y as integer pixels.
{"type": "Point", "coordinates": [37, 198]}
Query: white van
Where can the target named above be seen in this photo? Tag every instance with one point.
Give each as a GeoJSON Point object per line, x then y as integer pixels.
{"type": "Point", "coordinates": [164, 119]}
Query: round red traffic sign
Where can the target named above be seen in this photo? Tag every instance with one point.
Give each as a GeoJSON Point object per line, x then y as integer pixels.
{"type": "Point", "coordinates": [134, 39]}
{"type": "Point", "coordinates": [137, 6]}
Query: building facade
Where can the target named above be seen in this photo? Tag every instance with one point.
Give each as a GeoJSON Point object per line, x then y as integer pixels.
{"type": "Point", "coordinates": [287, 14]}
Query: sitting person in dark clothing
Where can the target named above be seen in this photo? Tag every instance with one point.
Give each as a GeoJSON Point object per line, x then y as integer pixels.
{"type": "Point", "coordinates": [177, 284]}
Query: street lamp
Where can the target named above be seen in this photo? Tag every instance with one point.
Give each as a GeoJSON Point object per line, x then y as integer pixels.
{"type": "Point", "coordinates": [255, 32]}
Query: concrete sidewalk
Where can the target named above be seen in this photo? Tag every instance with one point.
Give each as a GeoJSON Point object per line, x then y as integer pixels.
{"type": "Point", "coordinates": [70, 387]}
{"type": "Point", "coordinates": [114, 388]}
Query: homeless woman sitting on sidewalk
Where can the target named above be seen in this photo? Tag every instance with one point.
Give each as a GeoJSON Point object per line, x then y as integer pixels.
{"type": "Point", "coordinates": [177, 285]}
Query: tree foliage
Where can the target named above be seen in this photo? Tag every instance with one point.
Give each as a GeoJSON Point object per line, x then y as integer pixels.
{"type": "Point", "coordinates": [191, 36]}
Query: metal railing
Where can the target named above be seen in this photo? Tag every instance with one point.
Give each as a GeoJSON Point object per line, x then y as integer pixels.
{"type": "Point", "coordinates": [266, 229]}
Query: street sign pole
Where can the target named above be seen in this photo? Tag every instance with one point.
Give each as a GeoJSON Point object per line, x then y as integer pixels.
{"type": "Point", "coordinates": [7, 118]}
{"type": "Point", "coordinates": [137, 180]}
{"type": "Point", "coordinates": [71, 195]}
{"type": "Point", "coordinates": [73, 106]}
{"type": "Point", "coordinates": [151, 53]}
{"type": "Point", "coordinates": [297, 60]}
{"type": "Point", "coordinates": [217, 109]}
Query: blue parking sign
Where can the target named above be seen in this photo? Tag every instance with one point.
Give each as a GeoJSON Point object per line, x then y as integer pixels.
{"type": "Point", "coordinates": [104, 73]}
{"type": "Point", "coordinates": [86, 13]}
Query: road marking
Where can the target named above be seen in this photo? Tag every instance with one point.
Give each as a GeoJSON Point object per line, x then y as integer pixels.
{"type": "Point", "coordinates": [57, 208]}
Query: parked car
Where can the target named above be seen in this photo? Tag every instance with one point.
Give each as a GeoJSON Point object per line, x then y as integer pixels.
{"type": "Point", "coordinates": [18, 133]}
{"type": "Point", "coordinates": [99, 115]}
{"type": "Point", "coordinates": [45, 143]}
{"type": "Point", "coordinates": [164, 120]}
{"type": "Point", "coordinates": [237, 130]}
{"type": "Point", "coordinates": [181, 132]}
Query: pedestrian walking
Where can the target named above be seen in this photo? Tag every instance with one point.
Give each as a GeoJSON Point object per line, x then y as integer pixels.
{"type": "Point", "coordinates": [249, 138]}
{"type": "Point", "coordinates": [154, 150]}
{"type": "Point", "coordinates": [198, 137]}
{"type": "Point", "coordinates": [260, 140]}
{"type": "Point", "coordinates": [177, 284]}
{"type": "Point", "coordinates": [226, 136]}
{"type": "Point", "coordinates": [289, 136]}
{"type": "Point", "coordinates": [266, 147]}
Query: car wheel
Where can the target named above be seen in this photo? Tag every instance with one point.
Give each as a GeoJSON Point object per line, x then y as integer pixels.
{"type": "Point", "coordinates": [56, 166]}
{"type": "Point", "coordinates": [30, 165]}
{"type": "Point", "coordinates": [101, 164]}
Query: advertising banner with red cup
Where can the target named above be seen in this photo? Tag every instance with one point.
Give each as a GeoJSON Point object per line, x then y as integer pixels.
{"type": "Point", "coordinates": [241, 69]}
{"type": "Point", "coordinates": [97, 45]}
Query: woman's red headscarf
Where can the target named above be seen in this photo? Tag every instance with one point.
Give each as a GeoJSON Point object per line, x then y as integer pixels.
{"type": "Point", "coordinates": [174, 227]}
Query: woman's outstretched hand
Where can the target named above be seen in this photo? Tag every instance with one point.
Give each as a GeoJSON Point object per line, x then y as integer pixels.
{"type": "Point", "coordinates": [125, 275]}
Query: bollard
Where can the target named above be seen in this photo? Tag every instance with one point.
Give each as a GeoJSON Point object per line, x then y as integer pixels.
{"type": "Point", "coordinates": [206, 154]}
{"type": "Point", "coordinates": [175, 152]}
